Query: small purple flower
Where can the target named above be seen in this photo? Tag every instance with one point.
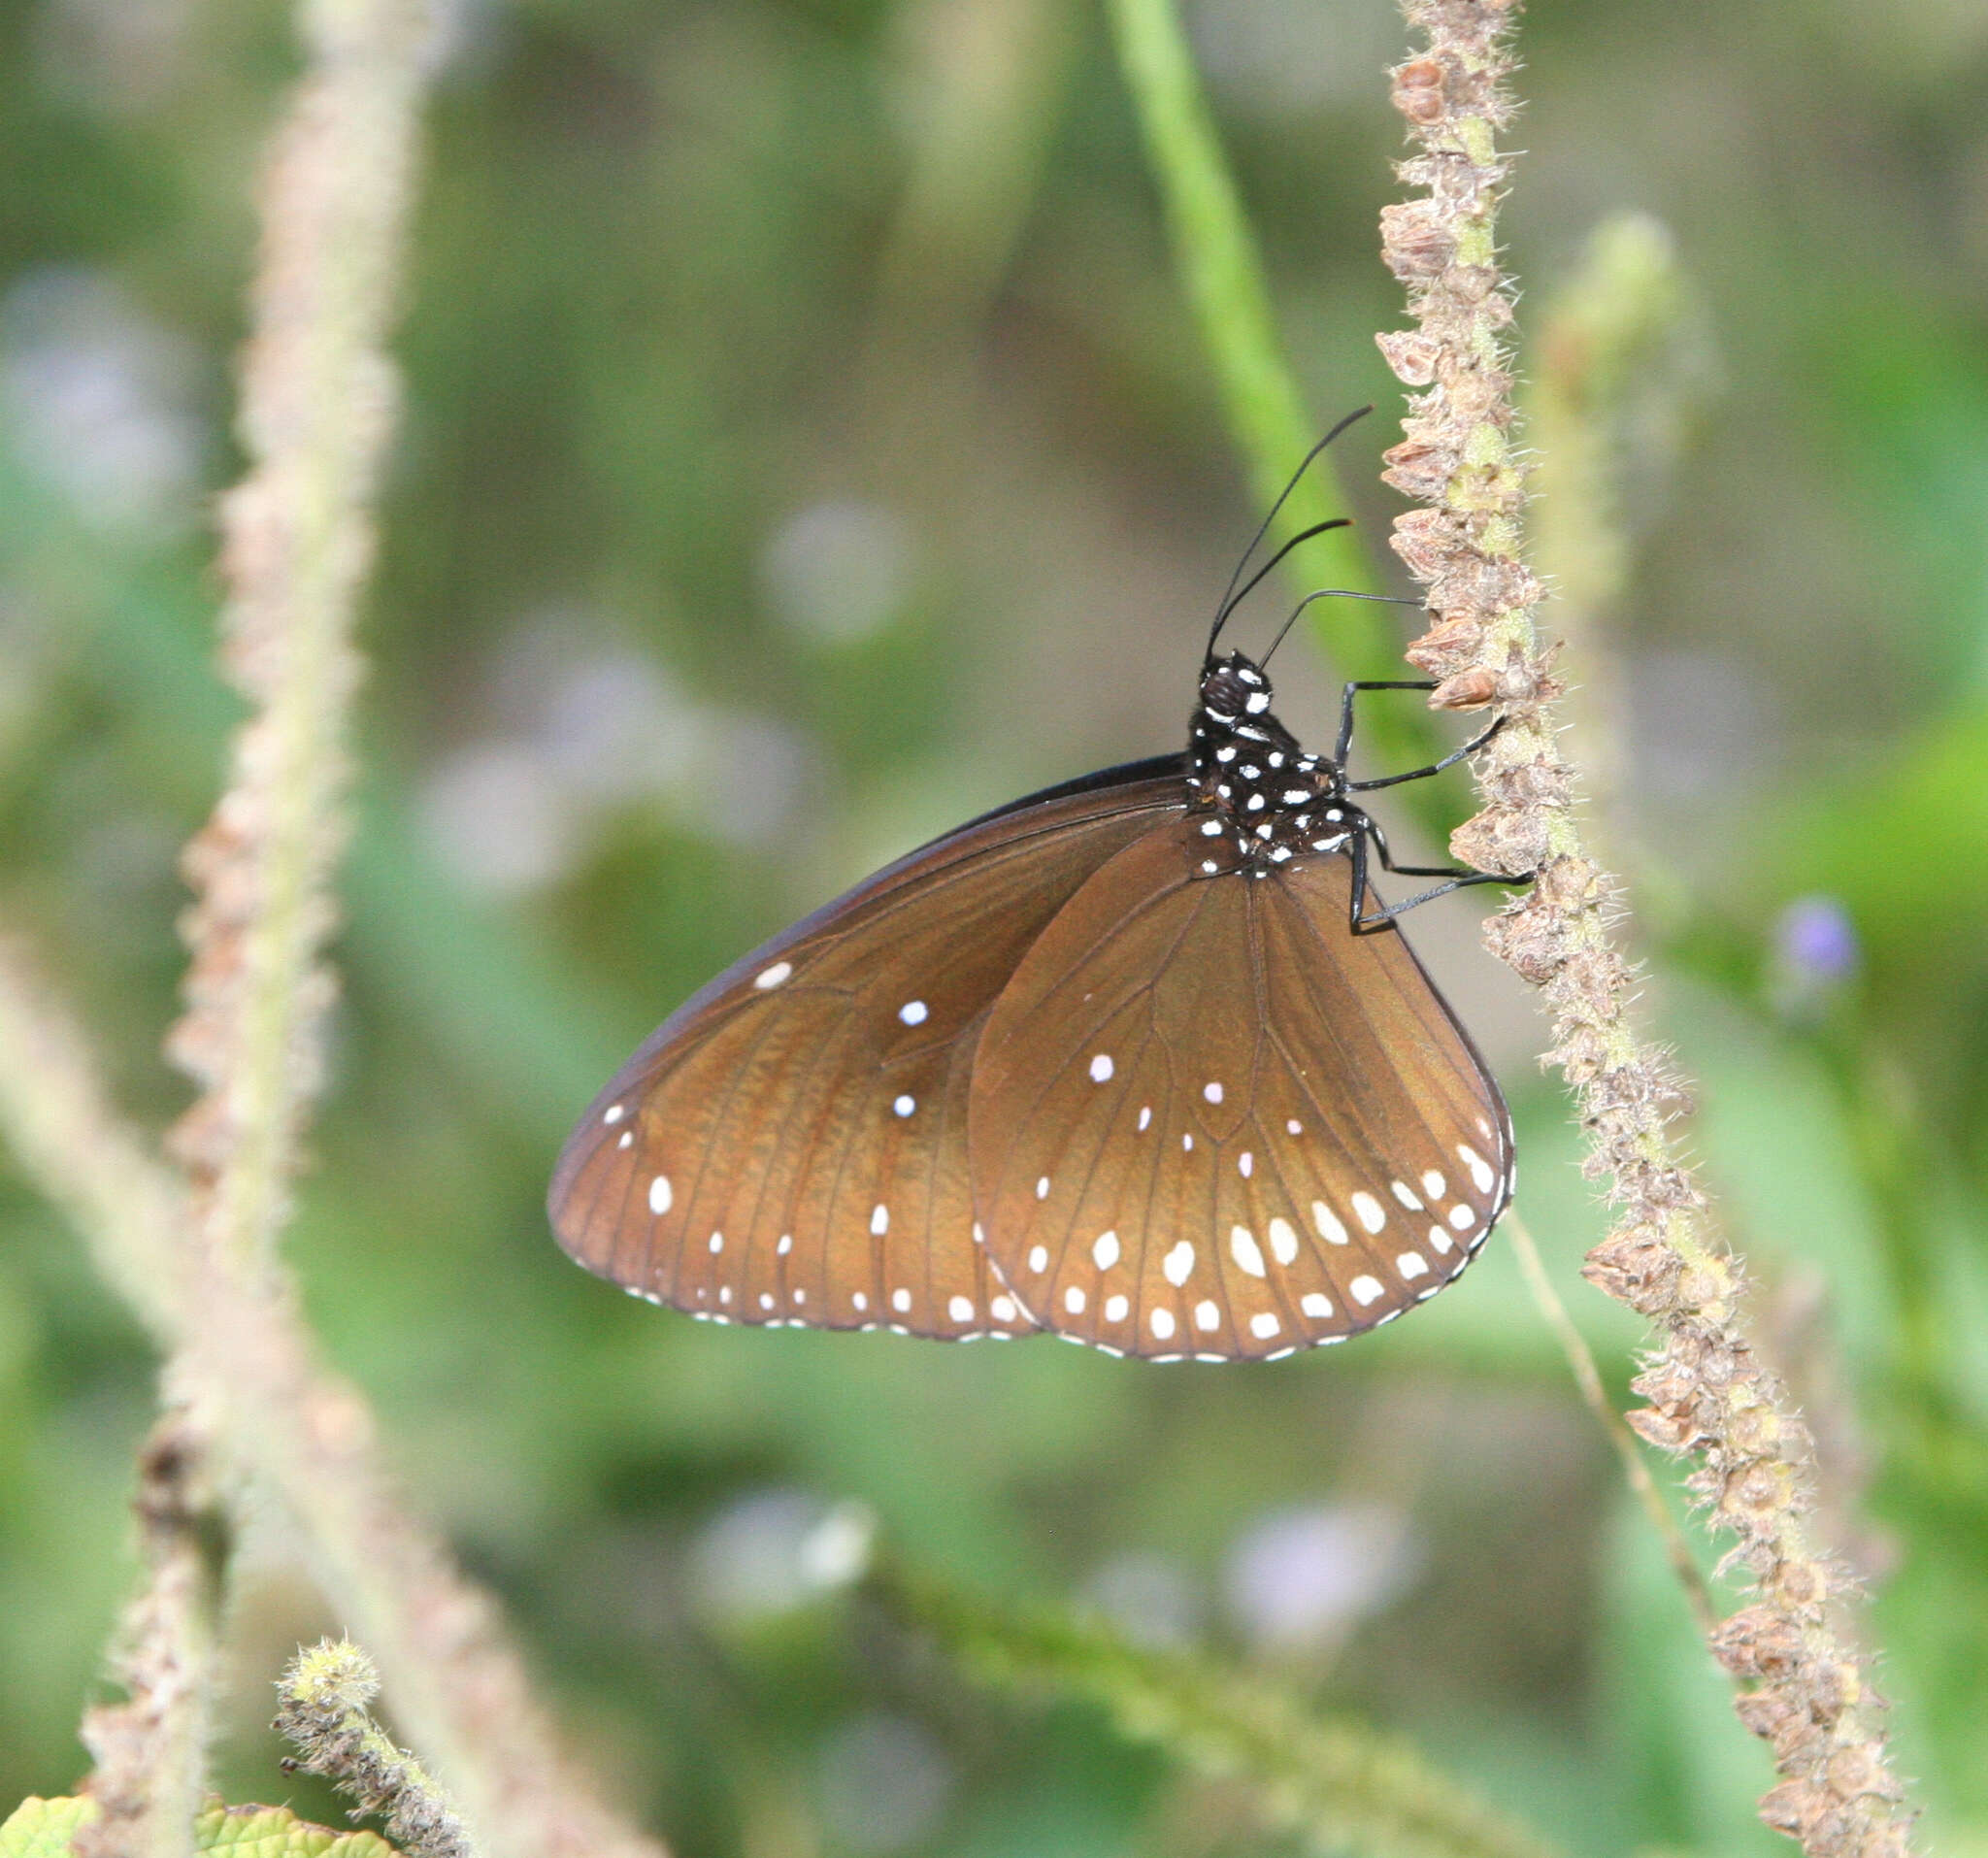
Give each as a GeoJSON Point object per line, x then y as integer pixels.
{"type": "Point", "coordinates": [1816, 943]}
{"type": "Point", "coordinates": [1815, 953]}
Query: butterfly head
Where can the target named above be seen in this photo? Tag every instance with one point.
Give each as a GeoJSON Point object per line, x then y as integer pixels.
{"type": "Point", "coordinates": [1232, 690]}
{"type": "Point", "coordinates": [1266, 799]}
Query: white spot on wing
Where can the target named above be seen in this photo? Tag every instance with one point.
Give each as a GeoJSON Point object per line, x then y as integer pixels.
{"type": "Point", "coordinates": [1116, 1309]}
{"type": "Point", "coordinates": [773, 975]}
{"type": "Point", "coordinates": [1329, 1227]}
{"type": "Point", "coordinates": [1038, 1258]}
{"type": "Point", "coordinates": [1412, 1264]}
{"type": "Point", "coordinates": [1294, 1127]}
{"type": "Point", "coordinates": [912, 1013]}
{"type": "Point", "coordinates": [1003, 1309]}
{"type": "Point", "coordinates": [1264, 1325]}
{"type": "Point", "coordinates": [1366, 1289]}
{"type": "Point", "coordinates": [1105, 1250]}
{"type": "Point", "coordinates": [1179, 1264]}
{"type": "Point", "coordinates": [786, 1243]}
{"type": "Point", "coordinates": [1043, 1188]}
{"type": "Point", "coordinates": [1211, 1092]}
{"type": "Point", "coordinates": [659, 1195]}
{"type": "Point", "coordinates": [614, 1114]}
{"type": "Point", "coordinates": [1145, 1115]}
{"type": "Point", "coordinates": [1162, 1322]}
{"type": "Point", "coordinates": [904, 1105]}
{"type": "Point", "coordinates": [879, 1220]}
{"type": "Point", "coordinates": [1074, 1300]}
{"type": "Point", "coordinates": [961, 1310]}
{"type": "Point", "coordinates": [1481, 1175]}
{"type": "Point", "coordinates": [860, 1300]}
{"type": "Point", "coordinates": [1283, 1241]}
{"type": "Point", "coordinates": [627, 1138]}
{"type": "Point", "coordinates": [1101, 1067]}
{"type": "Point", "coordinates": [1243, 1247]}
{"type": "Point", "coordinates": [1313, 1304]}
{"type": "Point", "coordinates": [1207, 1316]}
{"type": "Point", "coordinates": [1246, 1164]}
{"type": "Point", "coordinates": [1406, 1194]}
{"type": "Point", "coordinates": [1369, 1211]}
{"type": "Point", "coordinates": [717, 1243]}
{"type": "Point", "coordinates": [1463, 1217]}
{"type": "Point", "coordinates": [1439, 1240]}
{"type": "Point", "coordinates": [1433, 1185]}
{"type": "Point", "coordinates": [901, 1301]}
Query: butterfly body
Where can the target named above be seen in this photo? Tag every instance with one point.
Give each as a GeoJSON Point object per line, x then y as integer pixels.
{"type": "Point", "coordinates": [1132, 1060]}
{"type": "Point", "coordinates": [1263, 799]}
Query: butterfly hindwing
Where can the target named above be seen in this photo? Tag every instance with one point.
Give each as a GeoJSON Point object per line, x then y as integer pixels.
{"type": "Point", "coordinates": [790, 1145]}
{"type": "Point", "coordinates": [1207, 1120]}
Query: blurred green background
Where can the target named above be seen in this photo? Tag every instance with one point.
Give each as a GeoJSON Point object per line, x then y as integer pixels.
{"type": "Point", "coordinates": [805, 445]}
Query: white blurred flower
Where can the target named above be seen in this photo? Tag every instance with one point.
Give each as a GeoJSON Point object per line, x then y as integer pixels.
{"type": "Point", "coordinates": [748, 779]}
{"type": "Point", "coordinates": [96, 396]}
{"type": "Point", "coordinates": [1300, 1579]}
{"type": "Point", "coordinates": [1151, 1599]}
{"type": "Point", "coordinates": [578, 729]}
{"type": "Point", "coordinates": [885, 1785]}
{"type": "Point", "coordinates": [498, 818]}
{"type": "Point", "coordinates": [774, 1550]}
{"type": "Point", "coordinates": [838, 570]}
{"type": "Point", "coordinates": [614, 728]}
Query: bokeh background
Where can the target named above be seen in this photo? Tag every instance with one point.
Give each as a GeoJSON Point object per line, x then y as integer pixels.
{"type": "Point", "coordinates": [807, 445]}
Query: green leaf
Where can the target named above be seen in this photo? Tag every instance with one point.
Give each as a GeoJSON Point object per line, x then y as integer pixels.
{"type": "Point", "coordinates": [275, 1832]}
{"type": "Point", "coordinates": [44, 1828]}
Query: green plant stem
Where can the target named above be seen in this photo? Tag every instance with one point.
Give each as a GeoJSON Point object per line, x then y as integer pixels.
{"type": "Point", "coordinates": [1222, 276]}
{"type": "Point", "coordinates": [1587, 1377]}
{"type": "Point", "coordinates": [1336, 1784]}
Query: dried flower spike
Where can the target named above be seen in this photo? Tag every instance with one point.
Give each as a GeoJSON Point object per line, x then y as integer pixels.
{"type": "Point", "coordinates": [1805, 1691]}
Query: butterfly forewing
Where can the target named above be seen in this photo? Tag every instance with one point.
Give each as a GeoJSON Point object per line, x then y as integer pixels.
{"type": "Point", "coordinates": [791, 1147]}
{"type": "Point", "coordinates": [1207, 1120]}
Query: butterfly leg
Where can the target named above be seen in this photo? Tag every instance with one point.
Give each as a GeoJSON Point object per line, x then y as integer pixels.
{"type": "Point", "coordinates": [1450, 760]}
{"type": "Point", "coordinates": [1346, 696]}
{"type": "Point", "coordinates": [1361, 923]}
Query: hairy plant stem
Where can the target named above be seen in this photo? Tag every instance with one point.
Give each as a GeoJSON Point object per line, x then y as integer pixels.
{"type": "Point", "coordinates": [322, 1708]}
{"type": "Point", "coordinates": [149, 1751]}
{"type": "Point", "coordinates": [1807, 1689]}
{"type": "Point", "coordinates": [202, 1266]}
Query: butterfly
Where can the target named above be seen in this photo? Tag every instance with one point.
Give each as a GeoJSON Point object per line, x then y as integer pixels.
{"type": "Point", "coordinates": [1141, 1060]}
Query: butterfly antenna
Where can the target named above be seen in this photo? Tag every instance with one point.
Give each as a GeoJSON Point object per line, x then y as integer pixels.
{"type": "Point", "coordinates": [1332, 593]}
{"type": "Point", "coordinates": [1243, 593]}
{"type": "Point", "coordinates": [1227, 604]}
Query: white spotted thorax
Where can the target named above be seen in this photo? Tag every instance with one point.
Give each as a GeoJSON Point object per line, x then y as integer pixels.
{"type": "Point", "coordinates": [1260, 797]}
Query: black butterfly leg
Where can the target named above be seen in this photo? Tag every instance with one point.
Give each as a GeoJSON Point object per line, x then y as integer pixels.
{"type": "Point", "coordinates": [1450, 760]}
{"type": "Point", "coordinates": [1459, 879]}
{"type": "Point", "coordinates": [1346, 696]}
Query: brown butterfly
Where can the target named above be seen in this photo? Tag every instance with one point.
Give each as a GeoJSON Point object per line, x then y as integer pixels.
{"type": "Point", "coordinates": [1141, 1060]}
